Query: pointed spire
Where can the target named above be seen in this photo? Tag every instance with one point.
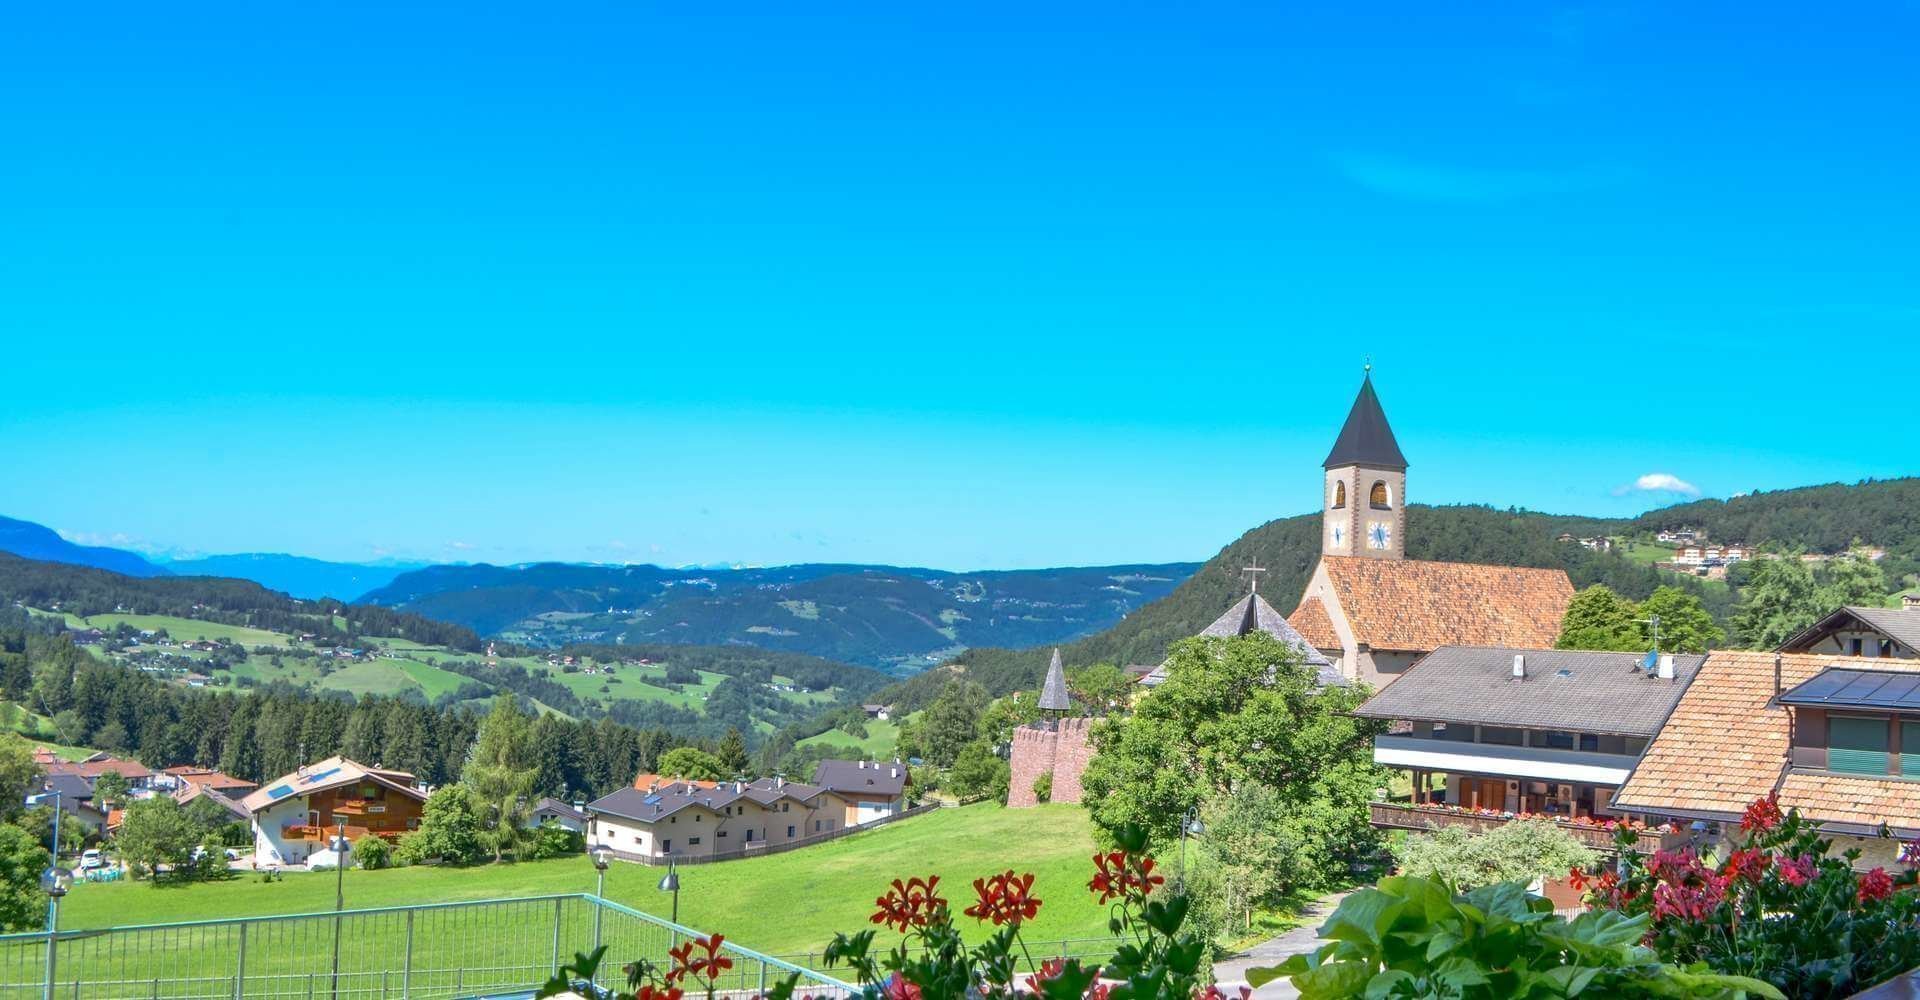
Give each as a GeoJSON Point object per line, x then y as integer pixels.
{"type": "Point", "coordinates": [1365, 439]}
{"type": "Point", "coordinates": [1053, 696]}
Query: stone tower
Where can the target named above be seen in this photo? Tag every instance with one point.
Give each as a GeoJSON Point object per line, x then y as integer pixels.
{"type": "Point", "coordinates": [1366, 485]}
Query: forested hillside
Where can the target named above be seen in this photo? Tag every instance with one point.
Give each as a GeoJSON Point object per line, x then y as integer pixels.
{"type": "Point", "coordinates": [897, 619]}
{"type": "Point", "coordinates": [1819, 518]}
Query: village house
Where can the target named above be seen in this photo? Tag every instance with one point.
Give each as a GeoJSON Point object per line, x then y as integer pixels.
{"type": "Point", "coordinates": [137, 774]}
{"type": "Point", "coordinates": [1371, 611]}
{"type": "Point", "coordinates": [552, 810]}
{"type": "Point", "coordinates": [75, 798]}
{"type": "Point", "coordinates": [693, 820]}
{"type": "Point", "coordinates": [871, 789]}
{"type": "Point", "coordinates": [1827, 733]}
{"type": "Point", "coordinates": [1496, 732]}
{"type": "Point", "coordinates": [880, 712]}
{"type": "Point", "coordinates": [1882, 632]}
{"type": "Point", "coordinates": [296, 817]}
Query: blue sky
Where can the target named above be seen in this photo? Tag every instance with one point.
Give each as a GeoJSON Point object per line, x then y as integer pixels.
{"type": "Point", "coordinates": [975, 286]}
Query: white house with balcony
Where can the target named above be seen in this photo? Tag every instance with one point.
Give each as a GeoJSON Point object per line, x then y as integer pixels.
{"type": "Point", "coordinates": [1494, 732]}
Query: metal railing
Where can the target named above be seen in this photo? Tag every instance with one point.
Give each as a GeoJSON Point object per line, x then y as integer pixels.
{"type": "Point", "coordinates": [445, 950]}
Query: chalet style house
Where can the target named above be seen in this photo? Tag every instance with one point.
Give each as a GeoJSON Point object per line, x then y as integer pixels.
{"type": "Point", "coordinates": [1371, 611]}
{"type": "Point", "coordinates": [1836, 737]}
{"type": "Point", "coordinates": [871, 789]}
{"type": "Point", "coordinates": [1884, 632]}
{"type": "Point", "coordinates": [661, 820]}
{"type": "Point", "coordinates": [1496, 732]}
{"type": "Point", "coordinates": [296, 817]}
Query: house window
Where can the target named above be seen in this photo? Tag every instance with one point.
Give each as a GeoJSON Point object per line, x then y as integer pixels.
{"type": "Point", "coordinates": [1500, 735]}
{"type": "Point", "coordinates": [722, 833]}
{"type": "Point", "coordinates": [789, 831]}
{"type": "Point", "coordinates": [666, 846]}
{"type": "Point", "coordinates": [1380, 498]}
{"type": "Point", "coordinates": [1553, 739]}
{"type": "Point", "coordinates": [1856, 642]}
{"type": "Point", "coordinates": [1590, 742]}
{"type": "Point", "coordinates": [693, 841]}
{"type": "Point", "coordinates": [786, 807]}
{"type": "Point", "coordinates": [1455, 732]}
{"type": "Point", "coordinates": [1856, 745]}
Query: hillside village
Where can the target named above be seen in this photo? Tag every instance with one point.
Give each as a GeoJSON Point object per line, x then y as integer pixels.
{"type": "Point", "coordinates": [1451, 703]}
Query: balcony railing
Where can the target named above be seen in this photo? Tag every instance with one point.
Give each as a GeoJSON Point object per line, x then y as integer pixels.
{"type": "Point", "coordinates": [1400, 816]}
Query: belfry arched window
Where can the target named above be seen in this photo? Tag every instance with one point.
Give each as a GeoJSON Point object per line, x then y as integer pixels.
{"type": "Point", "coordinates": [1380, 497]}
{"type": "Point", "coordinates": [1339, 495]}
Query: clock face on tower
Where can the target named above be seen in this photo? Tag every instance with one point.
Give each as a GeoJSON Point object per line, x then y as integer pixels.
{"type": "Point", "coordinates": [1378, 534]}
{"type": "Point", "coordinates": [1339, 536]}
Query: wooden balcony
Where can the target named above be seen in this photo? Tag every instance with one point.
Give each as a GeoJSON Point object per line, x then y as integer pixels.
{"type": "Point", "coordinates": [1402, 816]}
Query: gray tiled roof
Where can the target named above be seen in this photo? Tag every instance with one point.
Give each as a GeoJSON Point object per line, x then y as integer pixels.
{"type": "Point", "coordinates": [657, 803]}
{"type": "Point", "coordinates": [874, 778]}
{"type": "Point", "coordinates": [1900, 624]}
{"type": "Point", "coordinates": [1253, 613]}
{"type": "Point", "coordinates": [1576, 690]}
{"type": "Point", "coordinates": [1053, 695]}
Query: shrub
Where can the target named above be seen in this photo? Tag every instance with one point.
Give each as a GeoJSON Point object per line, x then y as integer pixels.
{"type": "Point", "coordinates": [551, 840]}
{"type": "Point", "coordinates": [1781, 907]}
{"type": "Point", "coordinates": [1521, 850]}
{"type": "Point", "coordinates": [372, 853]}
{"type": "Point", "coordinates": [1412, 937]}
{"type": "Point", "coordinates": [1043, 787]}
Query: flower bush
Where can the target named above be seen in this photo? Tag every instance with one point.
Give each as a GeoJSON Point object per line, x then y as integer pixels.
{"type": "Point", "coordinates": [1412, 937]}
{"type": "Point", "coordinates": [1781, 907]}
{"type": "Point", "coordinates": [1153, 957]}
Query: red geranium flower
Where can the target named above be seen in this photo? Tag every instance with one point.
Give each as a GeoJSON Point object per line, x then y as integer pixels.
{"type": "Point", "coordinates": [1747, 865]}
{"type": "Point", "coordinates": [708, 966]}
{"type": "Point", "coordinates": [652, 992]}
{"type": "Point", "coordinates": [1762, 815]}
{"type": "Point", "coordinates": [1048, 969]}
{"type": "Point", "coordinates": [1797, 871]}
{"type": "Point", "coordinates": [899, 989]}
{"type": "Point", "coordinates": [1876, 884]}
{"type": "Point", "coordinates": [1212, 992]}
{"type": "Point", "coordinates": [1004, 898]}
{"type": "Point", "coordinates": [909, 904]}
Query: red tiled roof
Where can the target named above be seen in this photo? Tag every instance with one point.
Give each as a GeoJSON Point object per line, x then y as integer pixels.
{"type": "Point", "coordinates": [1409, 604]}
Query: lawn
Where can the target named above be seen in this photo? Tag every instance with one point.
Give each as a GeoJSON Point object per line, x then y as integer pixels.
{"type": "Point", "coordinates": [186, 629]}
{"type": "Point", "coordinates": [784, 904]}
{"type": "Point", "coordinates": [878, 744]}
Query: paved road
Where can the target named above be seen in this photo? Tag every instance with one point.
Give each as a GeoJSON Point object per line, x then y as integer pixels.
{"type": "Point", "coordinates": [1232, 973]}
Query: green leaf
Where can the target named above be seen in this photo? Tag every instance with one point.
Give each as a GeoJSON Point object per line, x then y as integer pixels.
{"type": "Point", "coordinates": [1754, 987]}
{"type": "Point", "coordinates": [1293, 966]}
{"type": "Point", "coordinates": [1569, 980]}
{"type": "Point", "coordinates": [1460, 972]}
{"type": "Point", "coordinates": [1363, 916]}
{"type": "Point", "coordinates": [1382, 985]}
{"type": "Point", "coordinates": [1338, 981]}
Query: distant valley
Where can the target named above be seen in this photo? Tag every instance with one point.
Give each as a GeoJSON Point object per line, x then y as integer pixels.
{"type": "Point", "coordinates": [901, 620]}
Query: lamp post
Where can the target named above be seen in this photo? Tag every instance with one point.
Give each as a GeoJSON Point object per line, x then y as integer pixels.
{"type": "Point", "coordinates": [1190, 823]}
{"type": "Point", "coordinates": [602, 856]}
{"type": "Point", "coordinates": [53, 903]}
{"type": "Point", "coordinates": [670, 882]}
{"type": "Point", "coordinates": [339, 895]}
{"type": "Point", "coordinates": [55, 880]}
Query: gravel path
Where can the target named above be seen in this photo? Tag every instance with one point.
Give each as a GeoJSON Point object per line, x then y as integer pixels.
{"type": "Point", "coordinates": [1232, 973]}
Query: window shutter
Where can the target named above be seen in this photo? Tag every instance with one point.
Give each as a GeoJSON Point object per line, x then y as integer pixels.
{"type": "Point", "coordinates": [1910, 749]}
{"type": "Point", "coordinates": [1857, 746]}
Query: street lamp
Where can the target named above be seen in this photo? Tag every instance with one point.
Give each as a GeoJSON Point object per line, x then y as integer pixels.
{"type": "Point", "coordinates": [602, 856]}
{"type": "Point", "coordinates": [55, 881]}
{"type": "Point", "coordinates": [670, 882]}
{"type": "Point", "coordinates": [339, 896]}
{"type": "Point", "coordinates": [1190, 823]}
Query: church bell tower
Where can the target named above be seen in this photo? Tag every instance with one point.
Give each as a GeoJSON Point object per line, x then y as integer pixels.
{"type": "Point", "coordinates": [1364, 506]}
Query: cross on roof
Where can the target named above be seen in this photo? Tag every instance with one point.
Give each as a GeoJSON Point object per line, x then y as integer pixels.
{"type": "Point", "coordinates": [1253, 574]}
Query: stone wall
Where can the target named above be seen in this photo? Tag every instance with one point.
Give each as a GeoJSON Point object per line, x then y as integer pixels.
{"type": "Point", "coordinates": [1060, 749]}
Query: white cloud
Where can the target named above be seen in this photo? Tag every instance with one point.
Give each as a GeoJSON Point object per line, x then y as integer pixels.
{"type": "Point", "coordinates": [462, 546]}
{"type": "Point", "coordinates": [1658, 482]}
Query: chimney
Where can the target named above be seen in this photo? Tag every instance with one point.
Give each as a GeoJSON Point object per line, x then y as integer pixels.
{"type": "Point", "coordinates": [1519, 666]}
{"type": "Point", "coordinates": [893, 772]}
{"type": "Point", "coordinates": [863, 765]}
{"type": "Point", "coordinates": [779, 781]}
{"type": "Point", "coordinates": [1666, 666]}
{"type": "Point", "coordinates": [1777, 691]}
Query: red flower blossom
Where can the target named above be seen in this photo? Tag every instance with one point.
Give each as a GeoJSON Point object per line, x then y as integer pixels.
{"type": "Point", "coordinates": [652, 992]}
{"type": "Point", "coordinates": [1118, 874]}
{"type": "Point", "coordinates": [1763, 815]}
{"type": "Point", "coordinates": [1876, 884]}
{"type": "Point", "coordinates": [1747, 865]}
{"type": "Point", "coordinates": [899, 989]}
{"type": "Point", "coordinates": [1048, 969]}
{"type": "Point", "coordinates": [1688, 902]}
{"type": "Point", "coordinates": [1004, 898]}
{"type": "Point", "coordinates": [1797, 871]}
{"type": "Point", "coordinates": [1578, 879]}
{"type": "Point", "coordinates": [706, 966]}
{"type": "Point", "coordinates": [909, 904]}
{"type": "Point", "coordinates": [1212, 992]}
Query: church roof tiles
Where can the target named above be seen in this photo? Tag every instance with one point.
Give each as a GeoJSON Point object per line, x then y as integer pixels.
{"type": "Point", "coordinates": [1408, 604]}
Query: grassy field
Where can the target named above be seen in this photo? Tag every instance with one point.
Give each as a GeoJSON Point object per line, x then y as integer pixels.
{"type": "Point", "coordinates": [1645, 553]}
{"type": "Point", "coordinates": [783, 904]}
{"type": "Point", "coordinates": [184, 629]}
{"type": "Point", "coordinates": [878, 744]}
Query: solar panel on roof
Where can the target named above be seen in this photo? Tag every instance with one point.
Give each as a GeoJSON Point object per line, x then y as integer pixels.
{"type": "Point", "coordinates": [322, 776]}
{"type": "Point", "coordinates": [1858, 688]}
{"type": "Point", "coordinates": [279, 791]}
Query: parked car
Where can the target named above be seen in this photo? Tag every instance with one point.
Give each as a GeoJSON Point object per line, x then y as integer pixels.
{"type": "Point", "coordinates": [91, 858]}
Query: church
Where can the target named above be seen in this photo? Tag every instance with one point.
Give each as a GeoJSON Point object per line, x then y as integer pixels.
{"type": "Point", "coordinates": [1372, 612]}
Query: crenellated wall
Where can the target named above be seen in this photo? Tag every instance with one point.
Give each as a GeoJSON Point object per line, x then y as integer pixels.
{"type": "Point", "coordinates": [1060, 749]}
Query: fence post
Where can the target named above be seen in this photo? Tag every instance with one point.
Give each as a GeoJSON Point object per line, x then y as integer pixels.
{"type": "Point", "coordinates": [53, 959]}
{"type": "Point", "coordinates": [557, 905]}
{"type": "Point", "coordinates": [406, 970]}
{"type": "Point", "coordinates": [240, 966]}
{"type": "Point", "coordinates": [763, 977]}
